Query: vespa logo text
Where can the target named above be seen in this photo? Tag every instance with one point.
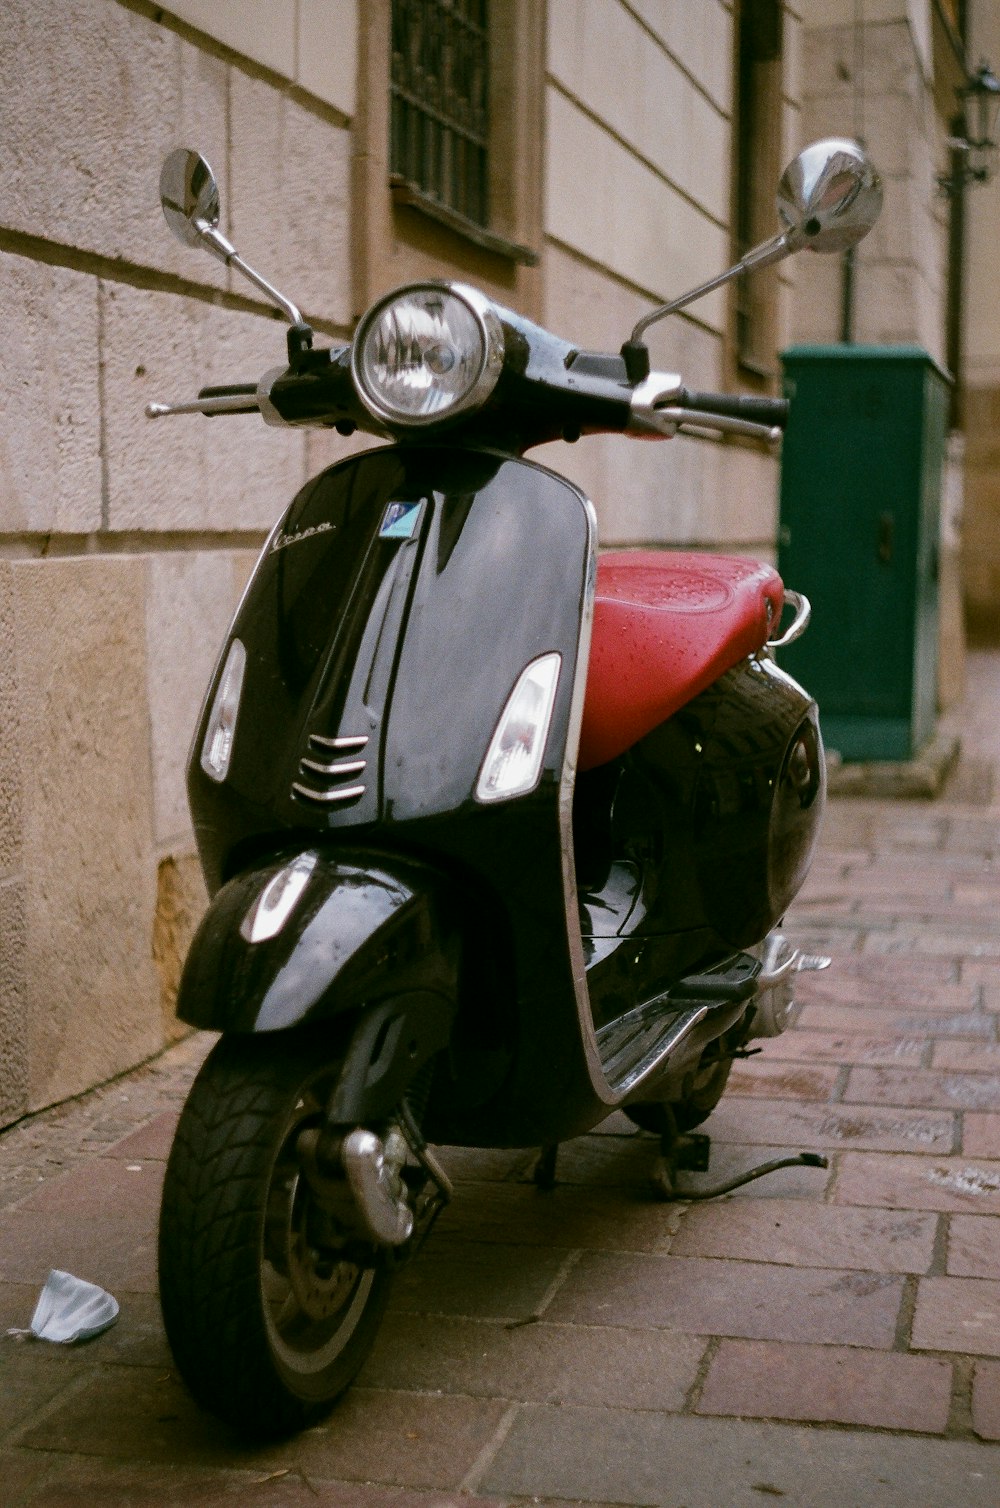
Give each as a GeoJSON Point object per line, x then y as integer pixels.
{"type": "Point", "coordinates": [282, 541]}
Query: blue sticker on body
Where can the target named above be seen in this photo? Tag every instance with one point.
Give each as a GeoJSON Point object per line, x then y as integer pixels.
{"type": "Point", "coordinates": [400, 521]}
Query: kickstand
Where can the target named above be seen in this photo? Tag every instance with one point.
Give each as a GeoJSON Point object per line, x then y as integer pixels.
{"type": "Point", "coordinates": [690, 1154]}
{"type": "Point", "coordinates": [544, 1171]}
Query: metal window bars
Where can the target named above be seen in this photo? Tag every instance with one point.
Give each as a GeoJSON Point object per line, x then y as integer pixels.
{"type": "Point", "coordinates": [439, 98]}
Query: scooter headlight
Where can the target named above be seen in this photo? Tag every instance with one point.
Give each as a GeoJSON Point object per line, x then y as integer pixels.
{"type": "Point", "coordinates": [217, 745]}
{"type": "Point", "coordinates": [513, 760]}
{"type": "Point", "coordinates": [427, 352]}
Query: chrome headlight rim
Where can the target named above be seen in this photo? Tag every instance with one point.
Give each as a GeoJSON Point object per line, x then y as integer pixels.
{"type": "Point", "coordinates": [490, 366]}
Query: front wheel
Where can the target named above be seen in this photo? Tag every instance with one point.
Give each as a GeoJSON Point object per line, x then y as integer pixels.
{"type": "Point", "coordinates": [270, 1306]}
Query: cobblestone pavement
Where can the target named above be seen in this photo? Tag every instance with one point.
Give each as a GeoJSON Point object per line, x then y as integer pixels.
{"type": "Point", "coordinates": [825, 1337]}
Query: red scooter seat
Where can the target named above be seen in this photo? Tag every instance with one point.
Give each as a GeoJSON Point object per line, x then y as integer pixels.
{"type": "Point", "coordinates": [666, 626]}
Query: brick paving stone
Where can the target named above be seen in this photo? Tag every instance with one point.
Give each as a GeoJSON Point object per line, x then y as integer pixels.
{"type": "Point", "coordinates": [923, 1088]}
{"type": "Point", "coordinates": [957, 1314]}
{"type": "Point", "coordinates": [881, 991]}
{"type": "Point", "coordinates": [481, 1165]}
{"type": "Point", "coordinates": [986, 1400]}
{"type": "Point", "coordinates": [755, 1300]}
{"type": "Point", "coordinates": [139, 1414]}
{"type": "Point", "coordinates": [477, 1281]}
{"type": "Point", "coordinates": [806, 1046]}
{"type": "Point", "coordinates": [828, 1384]}
{"type": "Point", "coordinates": [24, 1474]}
{"type": "Point", "coordinates": [150, 1142]}
{"type": "Point", "coordinates": [413, 1439]}
{"type": "Point", "coordinates": [930, 909]}
{"type": "Point", "coordinates": [115, 1253]}
{"type": "Point", "coordinates": [974, 1246]}
{"type": "Point", "coordinates": [612, 1161]}
{"type": "Point", "coordinates": [981, 1134]}
{"type": "Point", "coordinates": [782, 1081]}
{"type": "Point", "coordinates": [922, 1024]}
{"type": "Point", "coordinates": [100, 1190]}
{"type": "Point", "coordinates": [869, 979]}
{"type": "Point", "coordinates": [30, 1384]}
{"type": "Point", "coordinates": [805, 1234]}
{"type": "Point", "coordinates": [643, 1459]}
{"type": "Point", "coordinates": [570, 1217]}
{"type": "Point", "coordinates": [967, 1057]}
{"type": "Point", "coordinates": [542, 1363]}
{"type": "Point", "coordinates": [832, 1127]}
{"type": "Point", "coordinates": [960, 1185]}
{"type": "Point", "coordinates": [76, 1482]}
{"type": "Point", "coordinates": [904, 938]}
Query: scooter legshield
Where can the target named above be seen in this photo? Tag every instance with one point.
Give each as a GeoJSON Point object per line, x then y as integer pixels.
{"type": "Point", "coordinates": [363, 928]}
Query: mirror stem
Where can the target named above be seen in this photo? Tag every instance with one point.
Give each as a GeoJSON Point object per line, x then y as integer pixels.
{"type": "Point", "coordinates": [775, 250]}
{"type": "Point", "coordinates": [226, 252]}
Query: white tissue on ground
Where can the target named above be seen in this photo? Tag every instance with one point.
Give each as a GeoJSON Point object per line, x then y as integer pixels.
{"type": "Point", "coordinates": [70, 1309]}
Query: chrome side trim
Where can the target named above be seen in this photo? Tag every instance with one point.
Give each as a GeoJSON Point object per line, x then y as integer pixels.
{"type": "Point", "coordinates": [585, 1015]}
{"type": "Point", "coordinates": [338, 767]}
{"type": "Point", "coordinates": [326, 798]}
{"type": "Point", "coordinates": [638, 1043]}
{"type": "Point", "coordinates": [319, 742]}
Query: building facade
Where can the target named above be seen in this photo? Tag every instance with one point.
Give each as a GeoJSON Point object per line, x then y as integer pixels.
{"type": "Point", "coordinates": [613, 153]}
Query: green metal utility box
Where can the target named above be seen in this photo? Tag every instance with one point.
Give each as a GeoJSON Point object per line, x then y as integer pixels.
{"type": "Point", "coordinates": [860, 507]}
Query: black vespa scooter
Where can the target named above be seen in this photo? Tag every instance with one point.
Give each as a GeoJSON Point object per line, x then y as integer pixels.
{"type": "Point", "coordinates": [498, 834]}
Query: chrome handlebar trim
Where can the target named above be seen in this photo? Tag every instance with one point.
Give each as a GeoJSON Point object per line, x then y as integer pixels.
{"type": "Point", "coordinates": [234, 404]}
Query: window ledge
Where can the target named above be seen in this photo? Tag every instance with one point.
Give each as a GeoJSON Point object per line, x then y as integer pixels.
{"type": "Point", "coordinates": [410, 196]}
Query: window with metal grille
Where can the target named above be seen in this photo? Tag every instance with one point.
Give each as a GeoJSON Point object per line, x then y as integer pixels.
{"type": "Point", "coordinates": [439, 103]}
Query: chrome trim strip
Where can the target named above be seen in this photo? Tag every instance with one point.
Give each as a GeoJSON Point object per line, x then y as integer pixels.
{"type": "Point", "coordinates": [337, 743]}
{"type": "Point", "coordinates": [798, 625]}
{"type": "Point", "coordinates": [338, 767]}
{"type": "Point", "coordinates": [585, 1015]}
{"type": "Point", "coordinates": [343, 793]}
{"type": "Point", "coordinates": [661, 1049]}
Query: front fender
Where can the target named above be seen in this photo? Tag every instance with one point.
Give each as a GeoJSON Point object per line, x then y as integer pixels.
{"type": "Point", "coordinates": [365, 926]}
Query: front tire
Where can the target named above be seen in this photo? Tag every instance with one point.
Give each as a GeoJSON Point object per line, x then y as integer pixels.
{"type": "Point", "coordinates": [270, 1306]}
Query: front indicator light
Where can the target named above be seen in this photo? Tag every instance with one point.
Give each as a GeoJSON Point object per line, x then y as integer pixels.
{"type": "Point", "coordinates": [217, 746]}
{"type": "Point", "coordinates": [513, 761]}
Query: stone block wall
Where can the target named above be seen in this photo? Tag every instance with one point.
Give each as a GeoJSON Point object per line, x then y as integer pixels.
{"type": "Point", "coordinates": [124, 544]}
{"type": "Point", "coordinates": [875, 82]}
{"type": "Point", "coordinates": [638, 209]}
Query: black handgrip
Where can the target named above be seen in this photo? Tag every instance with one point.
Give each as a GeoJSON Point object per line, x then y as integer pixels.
{"type": "Point", "coordinates": [770, 411]}
{"type": "Point", "coordinates": [236, 390]}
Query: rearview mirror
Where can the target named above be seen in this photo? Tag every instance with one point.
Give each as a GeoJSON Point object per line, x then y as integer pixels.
{"type": "Point", "coordinates": [829, 196]}
{"type": "Point", "coordinates": [189, 197]}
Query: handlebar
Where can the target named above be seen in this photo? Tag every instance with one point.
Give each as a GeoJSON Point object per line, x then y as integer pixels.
{"type": "Point", "coordinates": [772, 412]}
{"type": "Point", "coordinates": [236, 398]}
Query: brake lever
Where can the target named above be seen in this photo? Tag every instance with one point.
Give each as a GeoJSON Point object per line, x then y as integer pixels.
{"type": "Point", "coordinates": [673, 418]}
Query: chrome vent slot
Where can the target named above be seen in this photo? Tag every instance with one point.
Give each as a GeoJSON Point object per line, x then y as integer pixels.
{"type": "Point", "coordinates": [330, 781]}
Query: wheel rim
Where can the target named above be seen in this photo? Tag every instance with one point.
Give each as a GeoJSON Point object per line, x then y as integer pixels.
{"type": "Point", "coordinates": [313, 1289]}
